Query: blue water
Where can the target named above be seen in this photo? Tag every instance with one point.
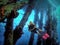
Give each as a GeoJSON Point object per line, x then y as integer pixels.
{"type": "Point", "coordinates": [26, 36]}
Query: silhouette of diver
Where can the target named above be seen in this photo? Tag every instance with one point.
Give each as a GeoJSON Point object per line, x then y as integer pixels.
{"type": "Point", "coordinates": [33, 28]}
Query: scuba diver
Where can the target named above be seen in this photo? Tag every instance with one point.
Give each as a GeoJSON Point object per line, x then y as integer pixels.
{"type": "Point", "coordinates": [32, 28]}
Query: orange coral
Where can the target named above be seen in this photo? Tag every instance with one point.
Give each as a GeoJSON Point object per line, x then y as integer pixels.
{"type": "Point", "coordinates": [2, 11]}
